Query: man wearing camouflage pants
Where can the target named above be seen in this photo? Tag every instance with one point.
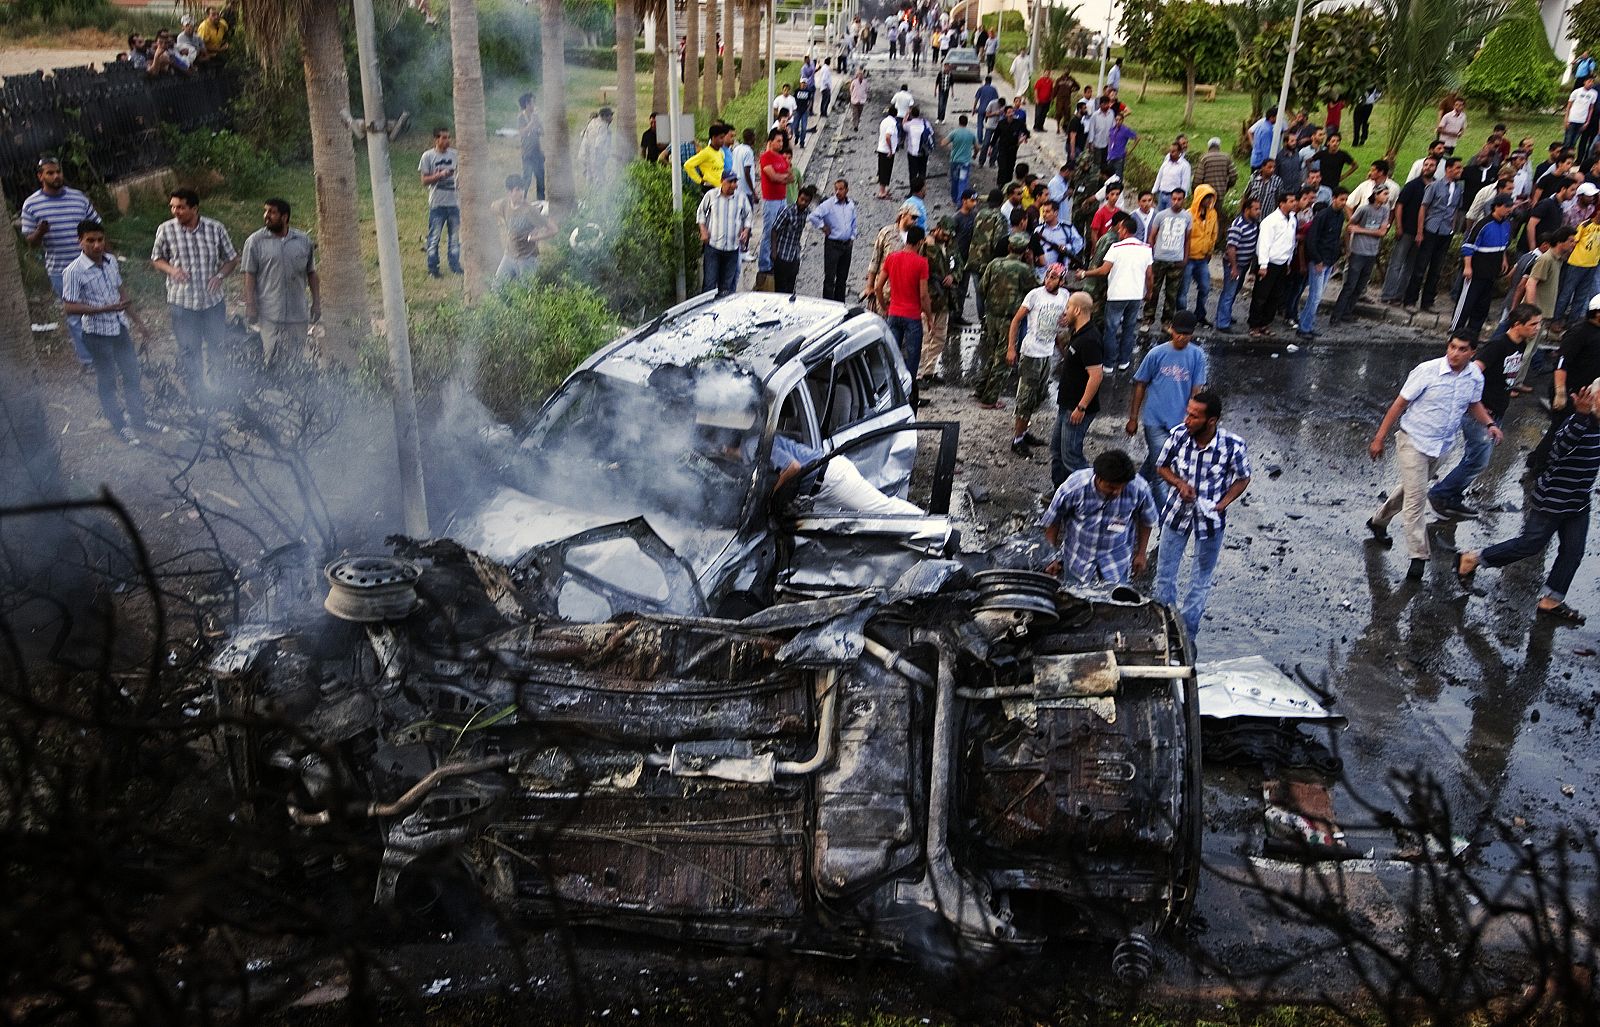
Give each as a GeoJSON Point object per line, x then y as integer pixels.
{"type": "Point", "coordinates": [1004, 285]}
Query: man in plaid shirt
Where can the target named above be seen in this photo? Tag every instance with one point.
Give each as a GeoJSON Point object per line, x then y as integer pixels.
{"type": "Point", "coordinates": [196, 255]}
{"type": "Point", "coordinates": [1207, 468]}
{"type": "Point", "coordinates": [787, 228]}
{"type": "Point", "coordinates": [1100, 518]}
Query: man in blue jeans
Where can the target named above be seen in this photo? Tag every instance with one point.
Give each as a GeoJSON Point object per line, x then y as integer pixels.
{"type": "Point", "coordinates": [438, 172]}
{"type": "Point", "coordinates": [1323, 247]}
{"type": "Point", "coordinates": [961, 144]}
{"type": "Point", "coordinates": [1078, 394]}
{"type": "Point", "coordinates": [196, 256]}
{"type": "Point", "coordinates": [1205, 469]}
{"type": "Point", "coordinates": [903, 293]}
{"type": "Point", "coordinates": [50, 218]}
{"type": "Point", "coordinates": [1500, 360]}
{"type": "Point", "coordinates": [1237, 256]}
{"type": "Point", "coordinates": [1170, 375]}
{"type": "Point", "coordinates": [724, 221]}
{"type": "Point", "coordinates": [1127, 270]}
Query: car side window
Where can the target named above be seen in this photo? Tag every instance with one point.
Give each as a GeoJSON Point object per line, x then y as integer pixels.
{"type": "Point", "coordinates": [792, 420]}
{"type": "Point", "coordinates": [878, 374]}
{"type": "Point", "coordinates": [837, 395]}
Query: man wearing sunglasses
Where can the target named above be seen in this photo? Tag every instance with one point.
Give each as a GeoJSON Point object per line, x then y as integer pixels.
{"type": "Point", "coordinates": [50, 219]}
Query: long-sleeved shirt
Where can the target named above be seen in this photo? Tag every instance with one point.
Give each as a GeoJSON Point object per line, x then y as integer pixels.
{"type": "Point", "coordinates": [1489, 238]}
{"type": "Point", "coordinates": [1100, 124]}
{"type": "Point", "coordinates": [1567, 483]}
{"type": "Point", "coordinates": [1275, 239]}
{"type": "Point", "coordinates": [1323, 244]}
{"type": "Point", "coordinates": [1173, 175]}
{"type": "Point", "coordinates": [840, 218]}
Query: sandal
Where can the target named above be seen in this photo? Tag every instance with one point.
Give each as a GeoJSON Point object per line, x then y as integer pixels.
{"type": "Point", "coordinates": [1465, 577]}
{"type": "Point", "coordinates": [1562, 612]}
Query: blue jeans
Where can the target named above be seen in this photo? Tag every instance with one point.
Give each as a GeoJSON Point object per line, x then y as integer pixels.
{"type": "Point", "coordinates": [1206, 552]}
{"type": "Point", "coordinates": [197, 331]}
{"type": "Point", "coordinates": [802, 118]}
{"type": "Point", "coordinates": [1155, 436]}
{"type": "Point", "coordinates": [1066, 445]}
{"type": "Point", "coordinates": [719, 270]}
{"type": "Point", "coordinates": [1537, 528]}
{"type": "Point", "coordinates": [1122, 330]}
{"type": "Point", "coordinates": [1198, 271]}
{"type": "Point", "coordinates": [113, 356]}
{"type": "Point", "coordinates": [770, 209]}
{"type": "Point", "coordinates": [1316, 282]}
{"type": "Point", "coordinates": [1230, 290]}
{"type": "Point", "coordinates": [960, 174]}
{"type": "Point", "coordinates": [907, 332]}
{"type": "Point", "coordinates": [74, 328]}
{"type": "Point", "coordinates": [1572, 299]}
{"type": "Point", "coordinates": [440, 218]}
{"type": "Point", "coordinates": [1452, 488]}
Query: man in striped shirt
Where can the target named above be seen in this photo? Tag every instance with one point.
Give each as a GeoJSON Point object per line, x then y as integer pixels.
{"type": "Point", "coordinates": [1239, 255]}
{"type": "Point", "coordinates": [1558, 506]}
{"type": "Point", "coordinates": [1101, 518]}
{"type": "Point", "coordinates": [196, 255]}
{"type": "Point", "coordinates": [92, 291]}
{"type": "Point", "coordinates": [50, 218]}
{"type": "Point", "coordinates": [724, 220]}
{"type": "Point", "coordinates": [1207, 468]}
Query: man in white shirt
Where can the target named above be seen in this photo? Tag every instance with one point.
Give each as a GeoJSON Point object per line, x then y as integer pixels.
{"type": "Point", "coordinates": [1377, 177]}
{"type": "Point", "coordinates": [785, 101]}
{"type": "Point", "coordinates": [744, 168]}
{"type": "Point", "coordinates": [1429, 408]}
{"type": "Point", "coordinates": [888, 144]}
{"type": "Point", "coordinates": [1274, 250]}
{"type": "Point", "coordinates": [902, 102]}
{"type": "Point", "coordinates": [1580, 111]}
{"type": "Point", "coordinates": [1042, 310]}
{"type": "Point", "coordinates": [824, 89]}
{"type": "Point", "coordinates": [1128, 278]}
{"type": "Point", "coordinates": [1173, 174]}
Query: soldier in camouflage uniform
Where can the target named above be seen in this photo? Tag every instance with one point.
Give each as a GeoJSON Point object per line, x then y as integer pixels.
{"type": "Point", "coordinates": [989, 233]}
{"type": "Point", "coordinates": [1005, 284]}
{"type": "Point", "coordinates": [944, 271]}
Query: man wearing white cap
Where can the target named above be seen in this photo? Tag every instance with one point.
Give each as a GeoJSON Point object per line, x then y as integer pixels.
{"type": "Point", "coordinates": [1578, 277]}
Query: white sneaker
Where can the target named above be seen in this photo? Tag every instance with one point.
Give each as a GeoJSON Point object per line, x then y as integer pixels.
{"type": "Point", "coordinates": [1124, 367]}
{"type": "Point", "coordinates": [748, 257]}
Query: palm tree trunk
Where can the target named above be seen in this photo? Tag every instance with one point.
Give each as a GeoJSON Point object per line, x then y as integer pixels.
{"type": "Point", "coordinates": [553, 72]}
{"type": "Point", "coordinates": [729, 80]}
{"type": "Point", "coordinates": [691, 56]}
{"type": "Point", "coordinates": [658, 87]}
{"type": "Point", "coordinates": [333, 161]}
{"type": "Point", "coordinates": [750, 53]}
{"type": "Point", "coordinates": [625, 131]}
{"type": "Point", "coordinates": [30, 463]}
{"type": "Point", "coordinates": [708, 84]}
{"type": "Point", "coordinates": [479, 239]}
{"type": "Point", "coordinates": [1188, 95]}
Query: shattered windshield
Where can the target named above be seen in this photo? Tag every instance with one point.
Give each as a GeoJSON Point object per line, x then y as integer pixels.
{"type": "Point", "coordinates": [627, 439]}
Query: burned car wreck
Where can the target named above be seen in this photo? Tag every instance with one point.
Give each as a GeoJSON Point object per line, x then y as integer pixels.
{"type": "Point", "coordinates": [743, 720]}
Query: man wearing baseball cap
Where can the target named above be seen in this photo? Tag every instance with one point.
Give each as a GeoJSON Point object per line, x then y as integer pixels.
{"type": "Point", "coordinates": [724, 220]}
{"type": "Point", "coordinates": [1042, 310]}
{"type": "Point", "coordinates": [1578, 277]}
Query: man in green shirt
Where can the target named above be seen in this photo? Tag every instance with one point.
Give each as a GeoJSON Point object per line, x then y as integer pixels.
{"type": "Point", "coordinates": [1543, 282]}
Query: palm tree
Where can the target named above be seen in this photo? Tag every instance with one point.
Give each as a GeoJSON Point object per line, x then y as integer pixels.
{"type": "Point", "coordinates": [751, 51]}
{"type": "Point", "coordinates": [708, 86]}
{"type": "Point", "coordinates": [1430, 42]}
{"type": "Point", "coordinates": [626, 130]}
{"type": "Point", "coordinates": [473, 178]}
{"type": "Point", "coordinates": [658, 85]}
{"type": "Point", "coordinates": [553, 71]}
{"type": "Point", "coordinates": [30, 463]}
{"type": "Point", "coordinates": [268, 23]}
{"type": "Point", "coordinates": [691, 55]}
{"type": "Point", "coordinates": [729, 80]}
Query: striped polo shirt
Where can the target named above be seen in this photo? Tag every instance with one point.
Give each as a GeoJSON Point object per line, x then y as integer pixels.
{"type": "Point", "coordinates": [1568, 479]}
{"type": "Point", "coordinates": [63, 210]}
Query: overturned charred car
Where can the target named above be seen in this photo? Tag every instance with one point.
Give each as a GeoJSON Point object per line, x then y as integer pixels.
{"type": "Point", "coordinates": [750, 721]}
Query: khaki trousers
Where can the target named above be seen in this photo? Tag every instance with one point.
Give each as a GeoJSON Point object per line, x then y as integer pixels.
{"type": "Point", "coordinates": [935, 329]}
{"type": "Point", "coordinates": [1411, 497]}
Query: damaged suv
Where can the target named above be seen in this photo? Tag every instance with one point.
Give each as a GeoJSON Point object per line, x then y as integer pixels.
{"type": "Point", "coordinates": [636, 690]}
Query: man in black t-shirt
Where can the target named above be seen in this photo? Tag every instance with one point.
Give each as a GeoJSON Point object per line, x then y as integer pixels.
{"type": "Point", "coordinates": [1548, 215]}
{"type": "Point", "coordinates": [1500, 359]}
{"type": "Point", "coordinates": [1406, 209]}
{"type": "Point", "coordinates": [1334, 162]}
{"type": "Point", "coordinates": [1577, 365]}
{"type": "Point", "coordinates": [1078, 398]}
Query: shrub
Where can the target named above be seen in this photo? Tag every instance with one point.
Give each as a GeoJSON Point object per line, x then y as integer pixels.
{"type": "Point", "coordinates": [1516, 67]}
{"type": "Point", "coordinates": [513, 347]}
{"type": "Point", "coordinates": [225, 153]}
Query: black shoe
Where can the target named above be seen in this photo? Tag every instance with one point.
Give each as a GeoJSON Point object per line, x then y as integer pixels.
{"type": "Point", "coordinates": [1020, 447]}
{"type": "Point", "coordinates": [1380, 534]}
{"type": "Point", "coordinates": [1418, 568]}
{"type": "Point", "coordinates": [1460, 511]}
{"type": "Point", "coordinates": [1031, 439]}
{"type": "Point", "coordinates": [433, 272]}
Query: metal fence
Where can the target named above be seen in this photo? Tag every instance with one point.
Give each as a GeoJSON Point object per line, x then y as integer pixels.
{"type": "Point", "coordinates": [109, 119]}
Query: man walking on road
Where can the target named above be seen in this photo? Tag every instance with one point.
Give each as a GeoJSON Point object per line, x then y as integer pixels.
{"type": "Point", "coordinates": [902, 292]}
{"type": "Point", "coordinates": [836, 217]}
{"type": "Point", "coordinates": [1429, 409]}
{"type": "Point", "coordinates": [776, 174]}
{"type": "Point", "coordinates": [1042, 310]}
{"type": "Point", "coordinates": [1205, 469]}
{"type": "Point", "coordinates": [1006, 282]}
{"type": "Point", "coordinates": [1100, 520]}
{"type": "Point", "coordinates": [858, 99]}
{"type": "Point", "coordinates": [1168, 377]}
{"type": "Point", "coordinates": [961, 143]}
{"type": "Point", "coordinates": [985, 95]}
{"type": "Point", "coordinates": [888, 145]}
{"type": "Point", "coordinates": [280, 268]}
{"type": "Point", "coordinates": [724, 220]}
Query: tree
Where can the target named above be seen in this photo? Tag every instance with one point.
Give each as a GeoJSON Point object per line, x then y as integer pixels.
{"type": "Point", "coordinates": [625, 132]}
{"type": "Point", "coordinates": [1247, 18]}
{"type": "Point", "coordinates": [1340, 54]}
{"type": "Point", "coordinates": [1191, 38]}
{"type": "Point", "coordinates": [658, 83]}
{"type": "Point", "coordinates": [1516, 67]}
{"type": "Point", "coordinates": [1060, 29]}
{"type": "Point", "coordinates": [1429, 44]}
{"type": "Point", "coordinates": [270, 23]}
{"type": "Point", "coordinates": [559, 188]}
{"type": "Point", "coordinates": [708, 86]}
{"type": "Point", "coordinates": [751, 51]}
{"type": "Point", "coordinates": [1583, 25]}
{"type": "Point", "coordinates": [730, 81]}
{"type": "Point", "coordinates": [478, 235]}
{"type": "Point", "coordinates": [1137, 21]}
{"type": "Point", "coordinates": [691, 55]}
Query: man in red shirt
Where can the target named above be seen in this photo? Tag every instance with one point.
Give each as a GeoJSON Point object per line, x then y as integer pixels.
{"type": "Point", "coordinates": [1108, 210]}
{"type": "Point", "coordinates": [775, 179]}
{"type": "Point", "coordinates": [903, 292]}
{"type": "Point", "coordinates": [1044, 89]}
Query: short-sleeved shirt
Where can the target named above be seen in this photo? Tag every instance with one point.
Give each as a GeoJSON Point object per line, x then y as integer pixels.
{"type": "Point", "coordinates": [1097, 532]}
{"type": "Point", "coordinates": [96, 285]}
{"type": "Point", "coordinates": [1436, 398]}
{"type": "Point", "coordinates": [1502, 360]}
{"type": "Point", "coordinates": [519, 223]}
{"type": "Point", "coordinates": [1130, 259]}
{"type": "Point", "coordinates": [281, 265]}
{"type": "Point", "coordinates": [744, 160]}
{"type": "Point", "coordinates": [63, 210]}
{"type": "Point", "coordinates": [888, 135]}
{"type": "Point", "coordinates": [1546, 271]}
{"type": "Point", "coordinates": [1583, 101]}
{"type": "Point", "coordinates": [1170, 229]}
{"type": "Point", "coordinates": [443, 192]}
{"type": "Point", "coordinates": [1334, 165]}
{"type": "Point", "coordinates": [779, 163]}
{"type": "Point", "coordinates": [1170, 375]}
{"type": "Point", "coordinates": [201, 252]}
{"type": "Point", "coordinates": [962, 142]}
{"type": "Point", "coordinates": [1370, 215]}
{"type": "Point", "coordinates": [1083, 350]}
{"type": "Point", "coordinates": [1044, 318]}
{"type": "Point", "coordinates": [906, 271]}
{"type": "Point", "coordinates": [1212, 469]}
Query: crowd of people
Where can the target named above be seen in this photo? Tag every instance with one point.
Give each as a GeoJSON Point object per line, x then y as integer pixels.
{"type": "Point", "coordinates": [168, 53]}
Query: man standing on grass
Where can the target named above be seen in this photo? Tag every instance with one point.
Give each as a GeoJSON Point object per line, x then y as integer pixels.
{"type": "Point", "coordinates": [438, 172]}
{"type": "Point", "coordinates": [50, 218]}
{"type": "Point", "coordinates": [280, 267]}
{"type": "Point", "coordinates": [196, 256]}
{"type": "Point", "coordinates": [92, 292]}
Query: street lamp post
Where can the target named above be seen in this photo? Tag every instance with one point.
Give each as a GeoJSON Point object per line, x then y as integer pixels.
{"type": "Point", "coordinates": [1288, 71]}
{"type": "Point", "coordinates": [675, 141]}
{"type": "Point", "coordinates": [1105, 51]}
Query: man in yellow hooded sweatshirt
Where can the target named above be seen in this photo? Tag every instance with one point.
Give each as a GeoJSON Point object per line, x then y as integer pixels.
{"type": "Point", "coordinates": [1205, 224]}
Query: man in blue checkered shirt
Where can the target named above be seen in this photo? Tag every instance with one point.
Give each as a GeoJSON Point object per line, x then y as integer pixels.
{"type": "Point", "coordinates": [1101, 519]}
{"type": "Point", "coordinates": [1206, 468]}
